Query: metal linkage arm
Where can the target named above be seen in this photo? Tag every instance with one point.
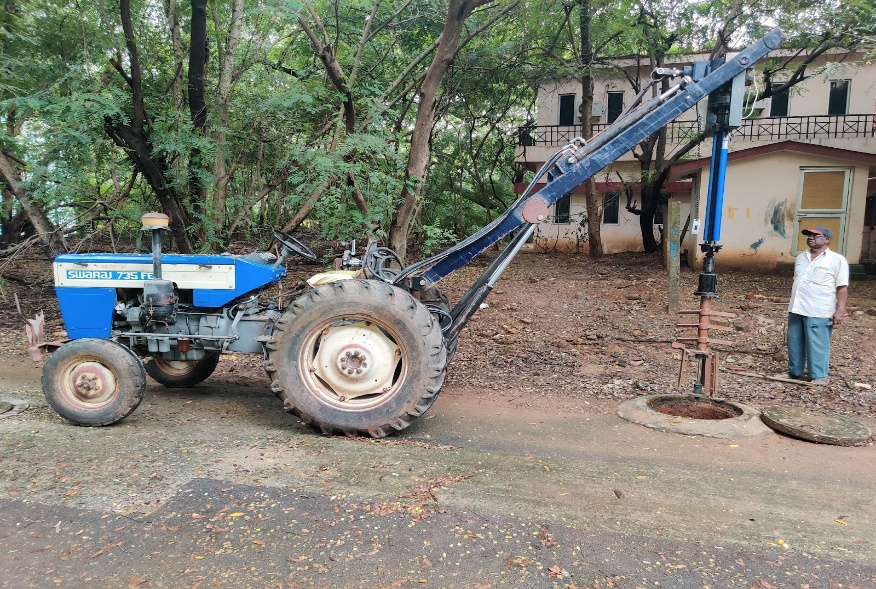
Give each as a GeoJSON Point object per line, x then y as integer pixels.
{"type": "Point", "coordinates": [577, 162]}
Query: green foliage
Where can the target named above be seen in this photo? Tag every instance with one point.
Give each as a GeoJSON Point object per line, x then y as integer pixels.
{"type": "Point", "coordinates": [435, 238]}
{"type": "Point", "coordinates": [367, 158]}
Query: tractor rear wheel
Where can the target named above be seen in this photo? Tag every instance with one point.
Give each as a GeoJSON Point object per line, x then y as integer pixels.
{"type": "Point", "coordinates": [177, 374]}
{"type": "Point", "coordinates": [358, 357]}
{"type": "Point", "coordinates": [94, 381]}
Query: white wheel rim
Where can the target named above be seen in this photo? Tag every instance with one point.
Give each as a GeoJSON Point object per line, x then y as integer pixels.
{"type": "Point", "coordinates": [354, 361]}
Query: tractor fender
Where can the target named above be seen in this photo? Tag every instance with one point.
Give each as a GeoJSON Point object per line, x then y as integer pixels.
{"type": "Point", "coordinates": [332, 276]}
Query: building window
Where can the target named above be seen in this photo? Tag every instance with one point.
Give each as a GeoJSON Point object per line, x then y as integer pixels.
{"type": "Point", "coordinates": [870, 211]}
{"type": "Point", "coordinates": [561, 209]}
{"type": "Point", "coordinates": [779, 103]}
{"type": "Point", "coordinates": [567, 110]}
{"type": "Point", "coordinates": [838, 103]}
{"type": "Point", "coordinates": [611, 209]}
{"type": "Point", "coordinates": [615, 106]}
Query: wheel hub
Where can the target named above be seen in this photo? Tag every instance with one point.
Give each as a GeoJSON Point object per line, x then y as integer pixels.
{"type": "Point", "coordinates": [356, 359]}
{"type": "Point", "coordinates": [92, 382]}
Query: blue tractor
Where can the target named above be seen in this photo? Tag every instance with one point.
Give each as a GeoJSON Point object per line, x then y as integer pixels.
{"type": "Point", "coordinates": [361, 350]}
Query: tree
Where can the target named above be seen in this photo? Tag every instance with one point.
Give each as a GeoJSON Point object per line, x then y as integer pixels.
{"type": "Point", "coordinates": [813, 28]}
{"type": "Point", "coordinates": [418, 159]}
{"type": "Point", "coordinates": [45, 229]}
{"type": "Point", "coordinates": [594, 216]}
{"type": "Point", "coordinates": [10, 164]}
{"type": "Point", "coordinates": [472, 148]}
{"type": "Point", "coordinates": [135, 135]}
{"type": "Point", "coordinates": [576, 38]}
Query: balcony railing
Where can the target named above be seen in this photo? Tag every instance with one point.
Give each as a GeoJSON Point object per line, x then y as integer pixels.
{"type": "Point", "coordinates": [832, 126]}
{"type": "Point", "coordinates": [775, 129]}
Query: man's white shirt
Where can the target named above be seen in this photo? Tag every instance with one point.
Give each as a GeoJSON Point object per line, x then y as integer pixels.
{"type": "Point", "coordinates": [815, 283]}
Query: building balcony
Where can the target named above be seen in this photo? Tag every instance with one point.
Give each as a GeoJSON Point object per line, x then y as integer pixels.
{"type": "Point", "coordinates": [816, 127]}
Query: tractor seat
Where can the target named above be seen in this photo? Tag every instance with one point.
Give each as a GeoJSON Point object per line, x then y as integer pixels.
{"type": "Point", "coordinates": [259, 257]}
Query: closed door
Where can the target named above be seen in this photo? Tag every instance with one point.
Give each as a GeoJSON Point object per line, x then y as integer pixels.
{"type": "Point", "coordinates": [822, 200]}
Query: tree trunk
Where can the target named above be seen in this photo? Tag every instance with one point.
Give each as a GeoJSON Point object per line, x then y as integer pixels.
{"type": "Point", "coordinates": [48, 233]}
{"type": "Point", "coordinates": [171, 12]}
{"type": "Point", "coordinates": [646, 220]}
{"type": "Point", "coordinates": [594, 210]}
{"type": "Point", "coordinates": [198, 64]}
{"type": "Point", "coordinates": [226, 77]}
{"type": "Point", "coordinates": [15, 227]}
{"type": "Point", "coordinates": [154, 169]}
{"type": "Point", "coordinates": [418, 158]}
{"type": "Point", "coordinates": [198, 105]}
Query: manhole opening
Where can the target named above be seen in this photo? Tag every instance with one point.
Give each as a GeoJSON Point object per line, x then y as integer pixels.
{"type": "Point", "coordinates": [5, 407]}
{"type": "Point", "coordinates": [694, 408]}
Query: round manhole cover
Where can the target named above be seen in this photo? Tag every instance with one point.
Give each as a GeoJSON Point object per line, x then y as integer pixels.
{"type": "Point", "coordinates": [814, 426]}
{"type": "Point", "coordinates": [5, 407]}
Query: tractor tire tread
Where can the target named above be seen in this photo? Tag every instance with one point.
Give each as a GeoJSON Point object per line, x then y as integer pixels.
{"type": "Point", "coordinates": [423, 392]}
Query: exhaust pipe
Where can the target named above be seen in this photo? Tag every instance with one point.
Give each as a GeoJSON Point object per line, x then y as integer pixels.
{"type": "Point", "coordinates": [156, 223]}
{"type": "Point", "coordinates": [159, 299]}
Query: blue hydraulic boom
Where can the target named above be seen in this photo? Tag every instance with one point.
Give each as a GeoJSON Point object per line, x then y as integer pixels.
{"type": "Point", "coordinates": [721, 81]}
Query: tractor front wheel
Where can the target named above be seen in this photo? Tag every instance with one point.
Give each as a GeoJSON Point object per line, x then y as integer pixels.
{"type": "Point", "coordinates": [176, 374]}
{"type": "Point", "coordinates": [93, 381]}
{"type": "Point", "coordinates": [357, 357]}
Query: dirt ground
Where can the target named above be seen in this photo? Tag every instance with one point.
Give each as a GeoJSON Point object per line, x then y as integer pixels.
{"type": "Point", "coordinates": [581, 334]}
{"type": "Point", "coordinates": [573, 330]}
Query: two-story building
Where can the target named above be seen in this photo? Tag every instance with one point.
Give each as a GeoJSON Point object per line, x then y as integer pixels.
{"type": "Point", "coordinates": [802, 158]}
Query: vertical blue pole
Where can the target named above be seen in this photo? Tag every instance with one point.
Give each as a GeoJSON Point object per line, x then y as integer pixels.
{"type": "Point", "coordinates": [717, 177]}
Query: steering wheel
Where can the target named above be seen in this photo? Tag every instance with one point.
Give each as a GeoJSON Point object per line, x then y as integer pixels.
{"type": "Point", "coordinates": [293, 244]}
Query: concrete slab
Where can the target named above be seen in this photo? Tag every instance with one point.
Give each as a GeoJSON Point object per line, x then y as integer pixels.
{"type": "Point", "coordinates": [747, 425]}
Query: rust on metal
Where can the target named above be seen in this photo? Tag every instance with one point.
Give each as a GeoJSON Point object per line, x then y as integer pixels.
{"type": "Point", "coordinates": [535, 210]}
{"type": "Point", "coordinates": [706, 358]}
{"type": "Point", "coordinates": [816, 426]}
{"type": "Point", "coordinates": [92, 382]}
{"type": "Point", "coordinates": [38, 347]}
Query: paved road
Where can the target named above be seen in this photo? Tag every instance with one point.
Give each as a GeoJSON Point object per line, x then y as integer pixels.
{"type": "Point", "coordinates": [216, 486]}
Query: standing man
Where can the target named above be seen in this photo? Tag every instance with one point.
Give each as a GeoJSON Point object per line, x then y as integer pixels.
{"type": "Point", "coordinates": [818, 304]}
